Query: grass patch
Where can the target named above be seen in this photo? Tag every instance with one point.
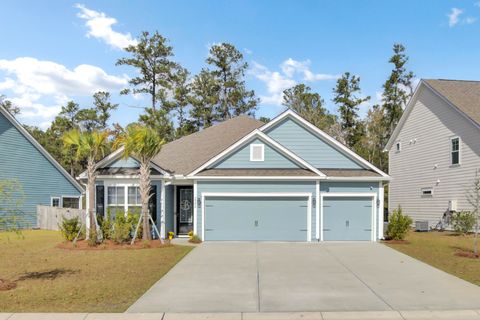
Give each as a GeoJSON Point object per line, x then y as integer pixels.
{"type": "Point", "coordinates": [49, 279]}
{"type": "Point", "coordinates": [440, 249]}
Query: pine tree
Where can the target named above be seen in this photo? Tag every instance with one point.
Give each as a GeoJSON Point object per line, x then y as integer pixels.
{"type": "Point", "coordinates": [151, 57]}
{"type": "Point", "coordinates": [346, 97]}
{"type": "Point", "coordinates": [228, 71]}
{"type": "Point", "coordinates": [204, 98]}
{"type": "Point", "coordinates": [397, 89]}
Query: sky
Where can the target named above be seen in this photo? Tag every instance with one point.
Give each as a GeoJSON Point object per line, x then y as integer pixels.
{"type": "Point", "coordinates": [57, 51]}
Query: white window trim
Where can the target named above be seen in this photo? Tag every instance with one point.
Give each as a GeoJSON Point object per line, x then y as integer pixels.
{"type": "Point", "coordinates": [398, 146]}
{"type": "Point", "coordinates": [422, 190]}
{"type": "Point", "coordinates": [125, 190]}
{"type": "Point", "coordinates": [459, 151]}
{"type": "Point", "coordinates": [59, 201]}
{"type": "Point", "coordinates": [257, 145]}
{"type": "Point", "coordinates": [76, 197]}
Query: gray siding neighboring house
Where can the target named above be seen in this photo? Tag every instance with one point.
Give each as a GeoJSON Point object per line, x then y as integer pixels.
{"type": "Point", "coordinates": [39, 175]}
{"type": "Point", "coordinates": [425, 177]}
{"type": "Point", "coordinates": [246, 180]}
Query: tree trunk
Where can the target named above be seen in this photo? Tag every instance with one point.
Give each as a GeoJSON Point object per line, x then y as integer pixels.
{"type": "Point", "coordinates": [91, 195]}
{"type": "Point", "coordinates": [145, 195]}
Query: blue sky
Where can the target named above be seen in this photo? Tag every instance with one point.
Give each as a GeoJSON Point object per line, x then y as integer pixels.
{"type": "Point", "coordinates": [55, 51]}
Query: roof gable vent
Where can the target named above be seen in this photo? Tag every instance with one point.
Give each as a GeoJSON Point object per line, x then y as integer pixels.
{"type": "Point", "coordinates": [257, 152]}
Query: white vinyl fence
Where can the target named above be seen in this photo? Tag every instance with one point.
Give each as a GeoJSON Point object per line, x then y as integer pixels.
{"type": "Point", "coordinates": [49, 218]}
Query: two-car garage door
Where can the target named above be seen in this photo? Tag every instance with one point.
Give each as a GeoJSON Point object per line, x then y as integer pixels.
{"type": "Point", "coordinates": [287, 218]}
{"type": "Point", "coordinates": [262, 218]}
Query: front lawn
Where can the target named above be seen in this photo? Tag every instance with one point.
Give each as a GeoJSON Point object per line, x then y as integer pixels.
{"type": "Point", "coordinates": [50, 279]}
{"type": "Point", "coordinates": [438, 249]}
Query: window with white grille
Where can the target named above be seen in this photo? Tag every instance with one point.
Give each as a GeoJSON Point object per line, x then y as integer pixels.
{"type": "Point", "coordinates": [256, 152]}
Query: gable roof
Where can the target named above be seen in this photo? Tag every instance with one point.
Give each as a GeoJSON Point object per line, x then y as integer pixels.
{"type": "Point", "coordinates": [262, 136]}
{"type": "Point", "coordinates": [325, 137]}
{"type": "Point", "coordinates": [461, 95]}
{"type": "Point", "coordinates": [465, 95]}
{"type": "Point", "coordinates": [39, 147]}
{"type": "Point", "coordinates": [182, 156]}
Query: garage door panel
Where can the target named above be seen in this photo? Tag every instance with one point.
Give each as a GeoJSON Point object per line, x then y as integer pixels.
{"type": "Point", "coordinates": [347, 218]}
{"type": "Point", "coordinates": [256, 218]}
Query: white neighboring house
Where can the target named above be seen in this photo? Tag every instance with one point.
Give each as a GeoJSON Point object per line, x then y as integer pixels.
{"type": "Point", "coordinates": [434, 151]}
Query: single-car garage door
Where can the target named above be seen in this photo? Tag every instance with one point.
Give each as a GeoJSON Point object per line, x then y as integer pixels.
{"type": "Point", "coordinates": [347, 218]}
{"type": "Point", "coordinates": [256, 218]}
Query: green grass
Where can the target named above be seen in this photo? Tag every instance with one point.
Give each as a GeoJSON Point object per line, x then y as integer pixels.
{"type": "Point", "coordinates": [438, 249]}
{"type": "Point", "coordinates": [50, 279]}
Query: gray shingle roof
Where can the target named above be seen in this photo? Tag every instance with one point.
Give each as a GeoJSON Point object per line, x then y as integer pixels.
{"type": "Point", "coordinates": [186, 154]}
{"type": "Point", "coordinates": [349, 173]}
{"type": "Point", "coordinates": [465, 95]}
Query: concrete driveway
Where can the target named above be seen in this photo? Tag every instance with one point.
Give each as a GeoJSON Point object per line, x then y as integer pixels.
{"type": "Point", "coordinates": [289, 277]}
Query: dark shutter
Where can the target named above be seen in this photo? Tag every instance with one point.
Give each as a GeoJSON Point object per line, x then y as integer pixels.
{"type": "Point", "coordinates": [100, 202]}
{"type": "Point", "coordinates": [152, 203]}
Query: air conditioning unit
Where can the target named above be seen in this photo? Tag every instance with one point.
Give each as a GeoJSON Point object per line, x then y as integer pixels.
{"type": "Point", "coordinates": [452, 205]}
{"type": "Point", "coordinates": [421, 225]}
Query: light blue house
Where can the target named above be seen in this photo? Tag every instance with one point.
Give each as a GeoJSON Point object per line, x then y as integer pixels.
{"type": "Point", "coordinates": [245, 180]}
{"type": "Point", "coordinates": [42, 180]}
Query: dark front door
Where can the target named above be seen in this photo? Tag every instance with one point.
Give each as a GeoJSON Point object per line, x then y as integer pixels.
{"type": "Point", "coordinates": [184, 209]}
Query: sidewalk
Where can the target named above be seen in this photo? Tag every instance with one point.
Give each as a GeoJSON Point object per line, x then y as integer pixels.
{"type": "Point", "coordinates": [363, 315]}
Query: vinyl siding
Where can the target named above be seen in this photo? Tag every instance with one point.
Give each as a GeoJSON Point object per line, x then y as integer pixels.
{"type": "Point", "coordinates": [39, 178]}
{"type": "Point", "coordinates": [124, 163]}
{"type": "Point", "coordinates": [256, 186]}
{"type": "Point", "coordinates": [241, 159]}
{"type": "Point", "coordinates": [424, 159]}
{"type": "Point", "coordinates": [309, 147]}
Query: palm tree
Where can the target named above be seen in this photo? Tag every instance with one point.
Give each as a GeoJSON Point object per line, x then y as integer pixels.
{"type": "Point", "coordinates": [91, 145]}
{"type": "Point", "coordinates": [143, 143]}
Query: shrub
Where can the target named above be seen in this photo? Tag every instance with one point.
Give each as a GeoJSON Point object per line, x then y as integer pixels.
{"type": "Point", "coordinates": [398, 225]}
{"type": "Point", "coordinates": [121, 229]}
{"type": "Point", "coordinates": [93, 239]}
{"type": "Point", "coordinates": [463, 222]}
{"type": "Point", "coordinates": [195, 239]}
{"type": "Point", "coordinates": [70, 227]}
{"type": "Point", "coordinates": [132, 218]}
{"type": "Point", "coordinates": [106, 225]}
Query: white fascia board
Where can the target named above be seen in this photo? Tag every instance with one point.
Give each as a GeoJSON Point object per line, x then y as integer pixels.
{"type": "Point", "coordinates": [404, 116]}
{"type": "Point", "coordinates": [233, 178]}
{"type": "Point", "coordinates": [388, 178]}
{"type": "Point", "coordinates": [342, 148]}
{"type": "Point", "coordinates": [117, 154]}
{"type": "Point", "coordinates": [262, 136]}
{"type": "Point", "coordinates": [410, 106]}
{"type": "Point", "coordinates": [39, 147]}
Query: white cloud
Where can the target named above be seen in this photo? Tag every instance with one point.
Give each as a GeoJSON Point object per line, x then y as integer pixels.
{"type": "Point", "coordinates": [248, 51]}
{"type": "Point", "coordinates": [453, 16]}
{"type": "Point", "coordinates": [470, 20]}
{"type": "Point", "coordinates": [278, 81]}
{"type": "Point", "coordinates": [291, 66]}
{"type": "Point", "coordinates": [30, 82]}
{"type": "Point", "coordinates": [275, 82]}
{"type": "Point", "coordinates": [100, 26]}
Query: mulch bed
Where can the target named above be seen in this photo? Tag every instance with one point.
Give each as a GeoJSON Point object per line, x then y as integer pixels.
{"type": "Point", "coordinates": [111, 245]}
{"type": "Point", "coordinates": [7, 285]}
{"type": "Point", "coordinates": [466, 254]}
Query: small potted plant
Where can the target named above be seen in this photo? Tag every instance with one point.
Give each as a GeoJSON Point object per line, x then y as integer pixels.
{"type": "Point", "coordinates": [170, 235]}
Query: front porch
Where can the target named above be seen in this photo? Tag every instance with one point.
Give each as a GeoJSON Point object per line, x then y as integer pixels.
{"type": "Point", "coordinates": [171, 203]}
